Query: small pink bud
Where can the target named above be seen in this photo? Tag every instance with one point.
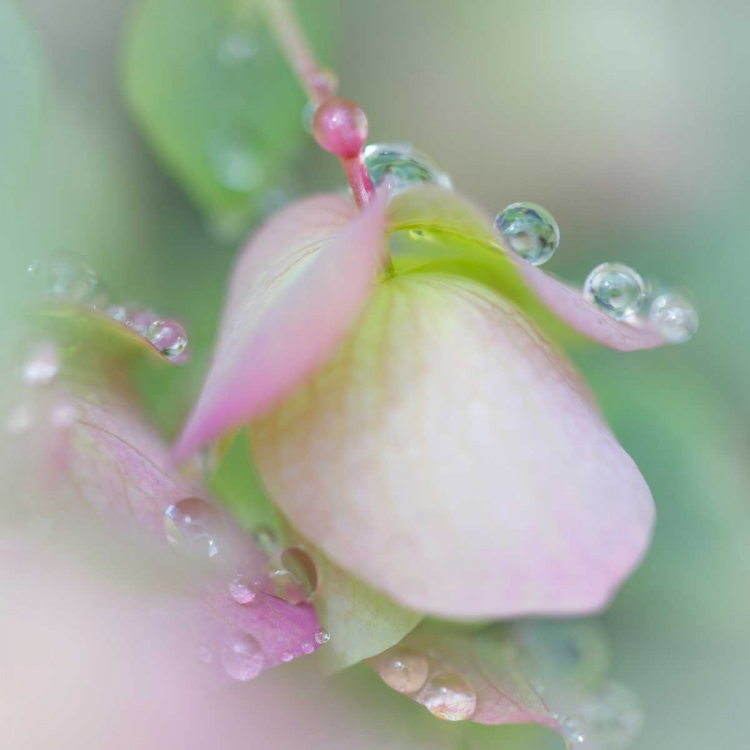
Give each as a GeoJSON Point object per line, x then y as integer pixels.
{"type": "Point", "coordinates": [340, 126]}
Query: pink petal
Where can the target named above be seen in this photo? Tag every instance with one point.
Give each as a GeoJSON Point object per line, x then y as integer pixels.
{"type": "Point", "coordinates": [296, 292]}
{"type": "Point", "coordinates": [437, 209]}
{"type": "Point", "coordinates": [117, 470]}
{"type": "Point", "coordinates": [450, 457]}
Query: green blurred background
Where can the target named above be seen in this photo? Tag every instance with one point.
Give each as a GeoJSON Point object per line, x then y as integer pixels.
{"type": "Point", "coordinates": [629, 120]}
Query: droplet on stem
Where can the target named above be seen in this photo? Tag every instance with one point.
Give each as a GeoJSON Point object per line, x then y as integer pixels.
{"type": "Point", "coordinates": [292, 575]}
{"type": "Point", "coordinates": [530, 230]}
{"type": "Point", "coordinates": [616, 289]}
{"type": "Point", "coordinates": [404, 166]}
{"type": "Point", "coordinates": [449, 696]}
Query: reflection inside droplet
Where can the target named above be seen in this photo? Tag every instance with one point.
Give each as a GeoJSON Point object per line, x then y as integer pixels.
{"type": "Point", "coordinates": [192, 526]}
{"type": "Point", "coordinates": [168, 336]}
{"type": "Point", "coordinates": [449, 696]}
{"type": "Point", "coordinates": [530, 230]}
{"type": "Point", "coordinates": [322, 636]}
{"type": "Point", "coordinates": [403, 165]}
{"type": "Point", "coordinates": [292, 575]}
{"type": "Point", "coordinates": [616, 289]}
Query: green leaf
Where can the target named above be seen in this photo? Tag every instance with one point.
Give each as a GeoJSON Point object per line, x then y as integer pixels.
{"type": "Point", "coordinates": [216, 99]}
{"type": "Point", "coordinates": [22, 93]}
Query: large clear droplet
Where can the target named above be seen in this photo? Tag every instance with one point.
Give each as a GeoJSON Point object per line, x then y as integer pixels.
{"type": "Point", "coordinates": [675, 317]}
{"type": "Point", "coordinates": [616, 289]}
{"type": "Point", "coordinates": [530, 230]}
{"type": "Point", "coordinates": [242, 590]}
{"type": "Point", "coordinates": [242, 657]}
{"type": "Point", "coordinates": [68, 278]}
{"type": "Point", "coordinates": [449, 696]}
{"type": "Point", "coordinates": [235, 161]}
{"type": "Point", "coordinates": [292, 575]}
{"type": "Point", "coordinates": [322, 636]}
{"type": "Point", "coordinates": [42, 367]}
{"type": "Point", "coordinates": [613, 716]}
{"type": "Point", "coordinates": [404, 166]}
{"type": "Point", "coordinates": [193, 526]}
{"type": "Point", "coordinates": [168, 336]}
{"type": "Point", "coordinates": [404, 669]}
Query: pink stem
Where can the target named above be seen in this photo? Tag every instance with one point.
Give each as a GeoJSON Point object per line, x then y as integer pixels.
{"type": "Point", "coordinates": [317, 82]}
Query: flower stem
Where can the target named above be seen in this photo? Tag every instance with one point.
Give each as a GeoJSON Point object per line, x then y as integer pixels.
{"type": "Point", "coordinates": [318, 83]}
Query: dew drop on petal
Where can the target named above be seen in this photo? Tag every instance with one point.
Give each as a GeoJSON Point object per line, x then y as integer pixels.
{"type": "Point", "coordinates": [674, 316]}
{"type": "Point", "coordinates": [308, 648]}
{"type": "Point", "coordinates": [42, 366]}
{"type": "Point", "coordinates": [404, 669]}
{"type": "Point", "coordinates": [168, 336]}
{"type": "Point", "coordinates": [242, 657]}
{"type": "Point", "coordinates": [287, 656]}
{"type": "Point", "coordinates": [193, 526]}
{"type": "Point", "coordinates": [573, 729]}
{"type": "Point", "coordinates": [322, 637]}
{"type": "Point", "coordinates": [530, 230]}
{"type": "Point", "coordinates": [449, 696]}
{"type": "Point", "coordinates": [234, 160]}
{"type": "Point", "coordinates": [242, 590]}
{"type": "Point", "coordinates": [616, 289]}
{"type": "Point", "coordinates": [292, 575]}
{"type": "Point", "coordinates": [613, 715]}
{"type": "Point", "coordinates": [404, 166]}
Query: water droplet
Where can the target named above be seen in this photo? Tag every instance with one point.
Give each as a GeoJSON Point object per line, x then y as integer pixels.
{"type": "Point", "coordinates": [322, 637]}
{"type": "Point", "coordinates": [405, 167]}
{"type": "Point", "coordinates": [118, 313]}
{"type": "Point", "coordinates": [236, 163]}
{"type": "Point", "coordinates": [42, 366]}
{"type": "Point", "coordinates": [292, 575]}
{"type": "Point", "coordinates": [20, 419]}
{"type": "Point", "coordinates": [241, 590]}
{"type": "Point", "coordinates": [530, 230]}
{"type": "Point", "coordinates": [404, 669]}
{"type": "Point", "coordinates": [573, 652]}
{"type": "Point", "coordinates": [675, 317]}
{"type": "Point", "coordinates": [307, 648]}
{"type": "Point", "coordinates": [242, 657]}
{"type": "Point", "coordinates": [205, 656]}
{"type": "Point", "coordinates": [236, 48]}
{"type": "Point", "coordinates": [140, 320]}
{"type": "Point", "coordinates": [265, 538]}
{"type": "Point", "coordinates": [168, 336]}
{"type": "Point", "coordinates": [68, 277]}
{"type": "Point", "coordinates": [616, 289]}
{"type": "Point", "coordinates": [193, 526]}
{"type": "Point", "coordinates": [573, 729]}
{"type": "Point", "coordinates": [448, 696]}
{"type": "Point", "coordinates": [287, 656]}
{"type": "Point", "coordinates": [613, 715]}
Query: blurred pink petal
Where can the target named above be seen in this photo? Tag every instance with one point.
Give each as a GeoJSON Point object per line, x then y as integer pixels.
{"type": "Point", "coordinates": [117, 470]}
{"type": "Point", "coordinates": [450, 457]}
{"type": "Point", "coordinates": [434, 208]}
{"type": "Point", "coordinates": [296, 292]}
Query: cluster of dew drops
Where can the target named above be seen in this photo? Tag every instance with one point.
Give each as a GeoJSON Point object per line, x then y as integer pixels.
{"type": "Point", "coordinates": [198, 529]}
{"type": "Point", "coordinates": [69, 279]}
